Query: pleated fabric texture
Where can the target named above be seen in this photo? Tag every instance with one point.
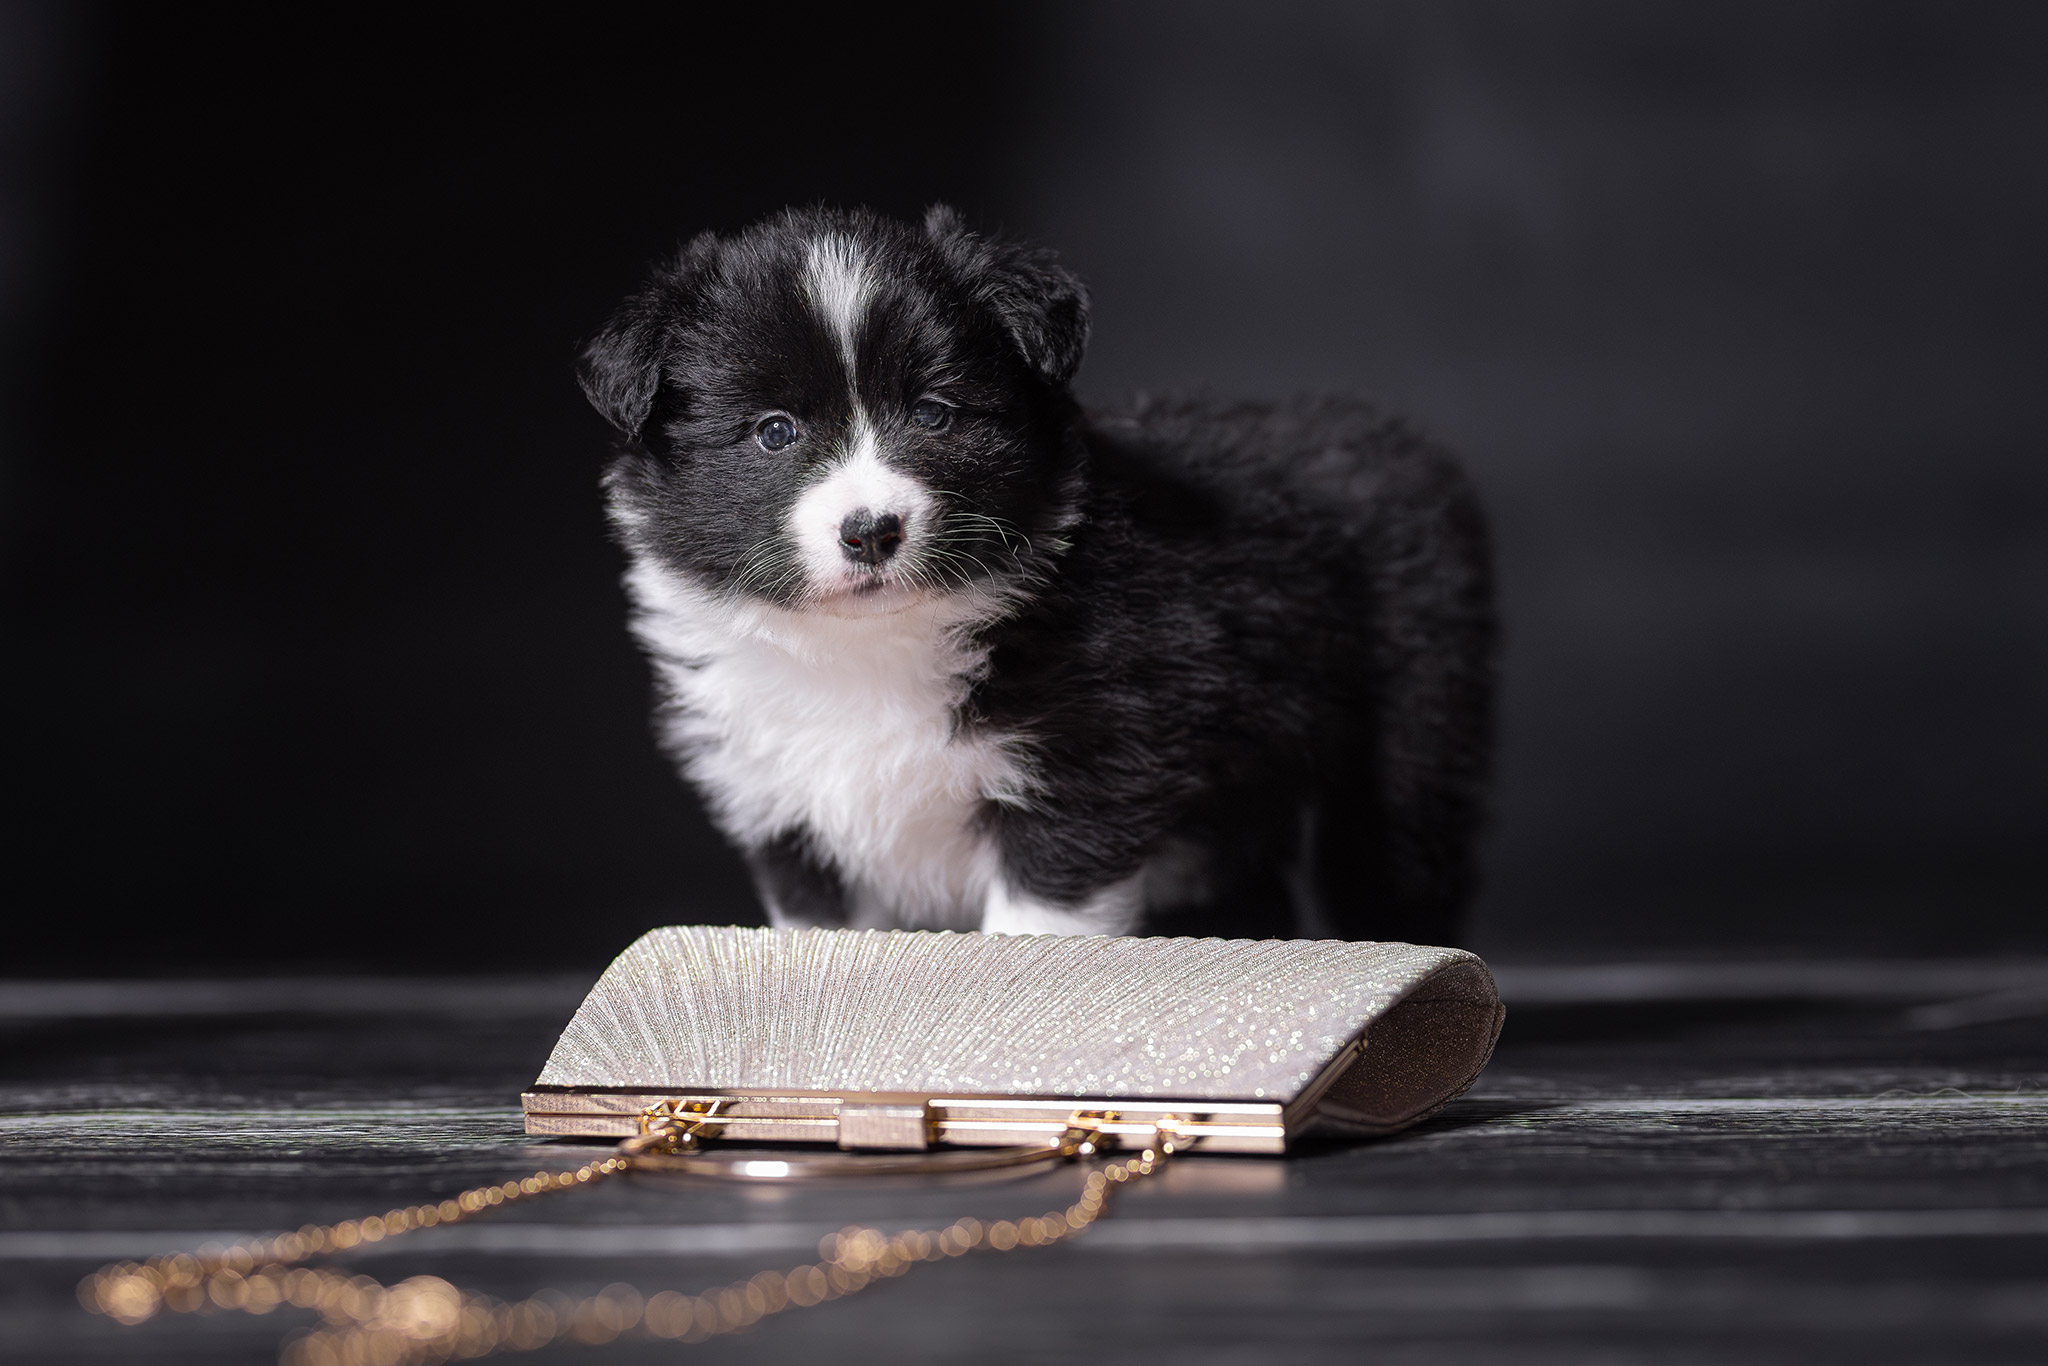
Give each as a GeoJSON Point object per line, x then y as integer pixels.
{"type": "Point", "coordinates": [944, 1013]}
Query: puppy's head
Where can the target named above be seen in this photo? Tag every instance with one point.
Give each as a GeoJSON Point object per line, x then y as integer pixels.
{"type": "Point", "coordinates": [835, 412]}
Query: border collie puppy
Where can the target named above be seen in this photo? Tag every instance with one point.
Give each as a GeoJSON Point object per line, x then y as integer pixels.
{"type": "Point", "coordinates": [939, 649]}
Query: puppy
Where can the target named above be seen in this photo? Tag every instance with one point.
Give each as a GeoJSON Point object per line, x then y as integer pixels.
{"type": "Point", "coordinates": [941, 650]}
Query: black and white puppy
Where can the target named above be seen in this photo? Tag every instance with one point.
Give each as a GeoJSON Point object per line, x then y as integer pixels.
{"type": "Point", "coordinates": [939, 650]}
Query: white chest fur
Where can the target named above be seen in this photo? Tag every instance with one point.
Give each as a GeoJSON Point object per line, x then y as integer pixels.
{"type": "Point", "coordinates": [840, 727]}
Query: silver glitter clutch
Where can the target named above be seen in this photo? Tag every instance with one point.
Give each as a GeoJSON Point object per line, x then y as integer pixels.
{"type": "Point", "coordinates": [896, 1039]}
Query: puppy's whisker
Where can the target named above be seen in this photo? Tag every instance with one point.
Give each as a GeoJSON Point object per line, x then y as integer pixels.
{"type": "Point", "coordinates": [954, 542]}
{"type": "Point", "coordinates": [960, 556]}
{"type": "Point", "coordinates": [759, 559]}
{"type": "Point", "coordinates": [1003, 528]}
{"type": "Point", "coordinates": [1004, 532]}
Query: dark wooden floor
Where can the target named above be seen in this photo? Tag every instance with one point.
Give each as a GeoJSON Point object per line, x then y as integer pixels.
{"type": "Point", "coordinates": [1771, 1162]}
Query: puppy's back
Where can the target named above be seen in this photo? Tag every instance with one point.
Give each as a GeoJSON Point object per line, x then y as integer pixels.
{"type": "Point", "coordinates": [1327, 572]}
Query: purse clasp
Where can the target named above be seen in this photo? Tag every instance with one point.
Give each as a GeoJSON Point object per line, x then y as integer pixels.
{"type": "Point", "coordinates": [895, 1125]}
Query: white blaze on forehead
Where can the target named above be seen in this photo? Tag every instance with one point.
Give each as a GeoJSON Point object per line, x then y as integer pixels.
{"type": "Point", "coordinates": [836, 279]}
{"type": "Point", "coordinates": [859, 480]}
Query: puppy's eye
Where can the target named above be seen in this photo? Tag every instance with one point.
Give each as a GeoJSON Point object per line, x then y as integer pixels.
{"type": "Point", "coordinates": [775, 433]}
{"type": "Point", "coordinates": [931, 415]}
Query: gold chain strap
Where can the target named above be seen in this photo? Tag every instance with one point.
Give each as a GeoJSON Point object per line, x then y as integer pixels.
{"type": "Point", "coordinates": [426, 1319]}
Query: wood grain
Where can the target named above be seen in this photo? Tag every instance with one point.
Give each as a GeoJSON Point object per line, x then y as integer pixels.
{"type": "Point", "coordinates": [1672, 1163]}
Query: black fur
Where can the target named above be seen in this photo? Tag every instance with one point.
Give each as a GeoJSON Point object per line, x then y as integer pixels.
{"type": "Point", "coordinates": [721, 334]}
{"type": "Point", "coordinates": [1259, 635]}
{"type": "Point", "coordinates": [1293, 655]}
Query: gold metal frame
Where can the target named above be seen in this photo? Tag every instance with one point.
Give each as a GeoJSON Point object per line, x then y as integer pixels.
{"type": "Point", "coordinates": [883, 1122]}
{"type": "Point", "coordinates": [908, 1121]}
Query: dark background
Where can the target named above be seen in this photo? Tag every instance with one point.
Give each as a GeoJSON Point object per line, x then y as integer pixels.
{"type": "Point", "coordinates": [313, 648]}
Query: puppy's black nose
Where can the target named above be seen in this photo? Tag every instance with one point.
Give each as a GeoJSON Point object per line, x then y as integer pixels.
{"type": "Point", "coordinates": [868, 539]}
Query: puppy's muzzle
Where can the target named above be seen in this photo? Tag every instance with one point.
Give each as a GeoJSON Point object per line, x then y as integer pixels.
{"type": "Point", "coordinates": [866, 538]}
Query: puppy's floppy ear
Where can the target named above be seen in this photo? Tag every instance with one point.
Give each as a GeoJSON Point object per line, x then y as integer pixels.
{"type": "Point", "coordinates": [1042, 304]}
{"type": "Point", "coordinates": [620, 369]}
{"type": "Point", "coordinates": [1047, 310]}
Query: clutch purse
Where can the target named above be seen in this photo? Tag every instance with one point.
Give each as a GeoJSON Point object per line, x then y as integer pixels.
{"type": "Point", "coordinates": [891, 1039]}
{"type": "Point", "coordinates": [1005, 1049]}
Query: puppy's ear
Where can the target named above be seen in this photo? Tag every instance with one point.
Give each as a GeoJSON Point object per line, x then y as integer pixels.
{"type": "Point", "coordinates": [620, 369]}
{"type": "Point", "coordinates": [1042, 303]}
{"type": "Point", "coordinates": [1046, 307]}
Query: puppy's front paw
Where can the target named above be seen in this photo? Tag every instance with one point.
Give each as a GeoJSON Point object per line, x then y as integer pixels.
{"type": "Point", "coordinates": [1113, 910]}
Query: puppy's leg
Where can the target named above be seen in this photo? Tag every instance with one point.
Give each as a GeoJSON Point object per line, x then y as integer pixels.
{"type": "Point", "coordinates": [1386, 875]}
{"type": "Point", "coordinates": [1066, 867]}
{"type": "Point", "coordinates": [1110, 910]}
{"type": "Point", "coordinates": [1400, 807]}
{"type": "Point", "coordinates": [798, 888]}
{"type": "Point", "coordinates": [1396, 827]}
